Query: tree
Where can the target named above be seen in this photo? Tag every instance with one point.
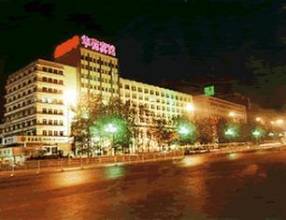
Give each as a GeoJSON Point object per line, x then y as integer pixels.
{"type": "Point", "coordinates": [92, 117]}
{"type": "Point", "coordinates": [85, 113]}
{"type": "Point", "coordinates": [122, 115]}
{"type": "Point", "coordinates": [205, 130]}
{"type": "Point", "coordinates": [185, 129]}
{"type": "Point", "coordinates": [221, 127]}
{"type": "Point", "coordinates": [265, 77]}
{"type": "Point", "coordinates": [163, 133]}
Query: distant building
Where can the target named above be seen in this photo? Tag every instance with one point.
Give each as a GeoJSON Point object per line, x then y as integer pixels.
{"type": "Point", "coordinates": [207, 106]}
{"type": "Point", "coordinates": [183, 86]}
{"type": "Point", "coordinates": [237, 98]}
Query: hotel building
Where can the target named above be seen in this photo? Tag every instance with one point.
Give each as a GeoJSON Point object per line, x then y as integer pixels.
{"type": "Point", "coordinates": [40, 96]}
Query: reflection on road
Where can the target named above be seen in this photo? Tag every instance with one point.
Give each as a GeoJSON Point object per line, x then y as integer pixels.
{"type": "Point", "coordinates": [69, 179]}
{"type": "Point", "coordinates": [190, 161]}
{"type": "Point", "coordinates": [114, 172]}
{"type": "Point", "coordinates": [229, 186]}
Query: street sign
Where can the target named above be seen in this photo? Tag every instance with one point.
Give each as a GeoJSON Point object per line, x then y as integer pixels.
{"type": "Point", "coordinates": [209, 90]}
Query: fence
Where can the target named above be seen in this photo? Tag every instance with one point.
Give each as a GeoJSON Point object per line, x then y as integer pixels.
{"type": "Point", "coordinates": [38, 166]}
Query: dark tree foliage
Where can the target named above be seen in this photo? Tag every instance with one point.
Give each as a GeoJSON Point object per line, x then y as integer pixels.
{"type": "Point", "coordinates": [163, 133]}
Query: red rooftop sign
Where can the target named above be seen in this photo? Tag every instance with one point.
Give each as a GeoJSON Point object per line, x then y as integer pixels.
{"type": "Point", "coordinates": [87, 42]}
{"type": "Point", "coordinates": [67, 46]}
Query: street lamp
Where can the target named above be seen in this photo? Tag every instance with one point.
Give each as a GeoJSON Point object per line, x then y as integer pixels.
{"type": "Point", "coordinates": [112, 129]}
{"type": "Point", "coordinates": [230, 132]}
{"type": "Point", "coordinates": [279, 121]}
{"type": "Point", "coordinates": [190, 107]}
{"type": "Point", "coordinates": [256, 134]}
{"type": "Point", "coordinates": [70, 100]}
{"type": "Point", "coordinates": [183, 130]}
{"type": "Point", "coordinates": [232, 114]}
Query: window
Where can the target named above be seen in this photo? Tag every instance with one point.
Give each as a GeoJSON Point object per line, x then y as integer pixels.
{"type": "Point", "coordinates": [45, 133]}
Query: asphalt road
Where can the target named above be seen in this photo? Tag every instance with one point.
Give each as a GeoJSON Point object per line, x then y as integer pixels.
{"type": "Point", "coordinates": [233, 186]}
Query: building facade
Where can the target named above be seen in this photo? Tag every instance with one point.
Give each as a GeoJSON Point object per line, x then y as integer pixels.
{"type": "Point", "coordinates": [35, 110]}
{"type": "Point", "coordinates": [159, 103]}
{"type": "Point", "coordinates": [213, 107]}
{"type": "Point", "coordinates": [40, 97]}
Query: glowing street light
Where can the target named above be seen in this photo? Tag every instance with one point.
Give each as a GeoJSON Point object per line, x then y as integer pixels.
{"type": "Point", "coordinates": [230, 132]}
{"type": "Point", "coordinates": [256, 133]}
{"type": "Point", "coordinates": [232, 114]}
{"type": "Point", "coordinates": [70, 100]}
{"type": "Point", "coordinates": [186, 131]}
{"type": "Point", "coordinates": [271, 134]}
{"type": "Point", "coordinates": [183, 130]}
{"type": "Point", "coordinates": [279, 121]}
{"type": "Point", "coordinates": [70, 97]}
{"type": "Point", "coordinates": [111, 128]}
{"type": "Point", "coordinates": [190, 107]}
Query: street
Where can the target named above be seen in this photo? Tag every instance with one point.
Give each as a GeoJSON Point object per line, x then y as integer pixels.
{"type": "Point", "coordinates": [236, 185]}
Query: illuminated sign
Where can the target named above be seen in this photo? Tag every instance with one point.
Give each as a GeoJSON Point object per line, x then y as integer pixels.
{"type": "Point", "coordinates": [209, 90]}
{"type": "Point", "coordinates": [67, 46]}
{"type": "Point", "coordinates": [97, 45]}
{"type": "Point", "coordinates": [86, 42]}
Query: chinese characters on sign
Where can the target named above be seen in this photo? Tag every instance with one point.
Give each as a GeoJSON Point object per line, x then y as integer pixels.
{"type": "Point", "coordinates": [96, 45]}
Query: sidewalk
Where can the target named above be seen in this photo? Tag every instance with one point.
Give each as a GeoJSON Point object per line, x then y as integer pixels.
{"type": "Point", "coordinates": [248, 148]}
{"type": "Point", "coordinates": [51, 166]}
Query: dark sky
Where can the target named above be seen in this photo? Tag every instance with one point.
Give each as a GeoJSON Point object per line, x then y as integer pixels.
{"type": "Point", "coordinates": [158, 40]}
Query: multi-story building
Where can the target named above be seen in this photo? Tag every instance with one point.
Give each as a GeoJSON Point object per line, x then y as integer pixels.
{"type": "Point", "coordinates": [35, 109]}
{"type": "Point", "coordinates": [95, 64]}
{"type": "Point", "coordinates": [213, 107]}
{"type": "Point", "coordinates": [159, 103]}
{"type": "Point", "coordinates": [40, 96]}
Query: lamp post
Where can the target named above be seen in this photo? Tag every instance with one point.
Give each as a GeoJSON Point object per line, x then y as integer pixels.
{"type": "Point", "coordinates": [184, 131]}
{"type": "Point", "coordinates": [232, 115]}
{"type": "Point", "coordinates": [112, 129]}
{"type": "Point", "coordinates": [256, 134]}
{"type": "Point", "coordinates": [70, 100]}
{"type": "Point", "coordinates": [231, 132]}
{"type": "Point", "coordinates": [190, 108]}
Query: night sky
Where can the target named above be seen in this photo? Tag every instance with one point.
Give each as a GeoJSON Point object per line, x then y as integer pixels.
{"type": "Point", "coordinates": [161, 40]}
